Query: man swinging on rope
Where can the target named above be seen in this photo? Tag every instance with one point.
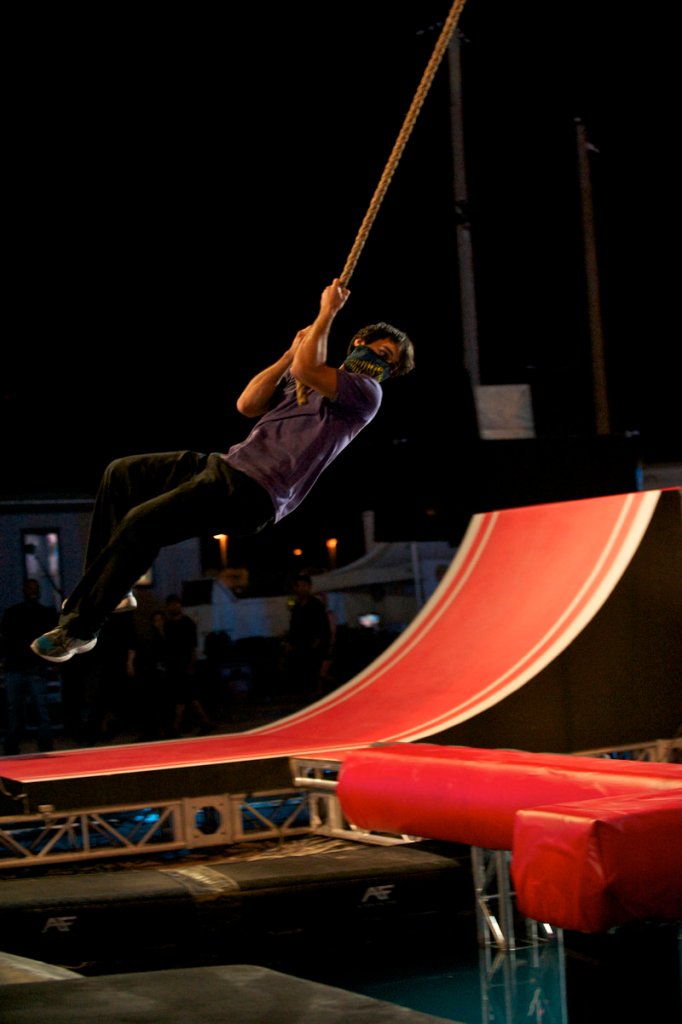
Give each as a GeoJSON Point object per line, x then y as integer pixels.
{"type": "Point", "coordinates": [146, 502]}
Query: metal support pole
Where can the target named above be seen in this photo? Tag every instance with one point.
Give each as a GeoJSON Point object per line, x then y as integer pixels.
{"type": "Point", "coordinates": [601, 405]}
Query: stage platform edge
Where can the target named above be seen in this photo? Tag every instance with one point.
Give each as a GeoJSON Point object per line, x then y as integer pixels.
{"type": "Point", "coordinates": [247, 994]}
{"type": "Point", "coordinates": [309, 901]}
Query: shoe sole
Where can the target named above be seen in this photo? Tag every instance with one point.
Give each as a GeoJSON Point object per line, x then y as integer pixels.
{"type": "Point", "coordinates": [87, 646]}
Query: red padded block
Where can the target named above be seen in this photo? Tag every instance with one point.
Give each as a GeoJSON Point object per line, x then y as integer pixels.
{"type": "Point", "coordinates": [471, 796]}
{"type": "Point", "coordinates": [512, 756]}
{"type": "Point", "coordinates": [600, 863]}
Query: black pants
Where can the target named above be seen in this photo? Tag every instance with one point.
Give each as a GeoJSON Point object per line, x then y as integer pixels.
{"type": "Point", "coordinates": [146, 502]}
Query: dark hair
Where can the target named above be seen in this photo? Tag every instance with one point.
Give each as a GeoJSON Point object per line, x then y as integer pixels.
{"type": "Point", "coordinates": [173, 599]}
{"type": "Point", "coordinates": [377, 332]}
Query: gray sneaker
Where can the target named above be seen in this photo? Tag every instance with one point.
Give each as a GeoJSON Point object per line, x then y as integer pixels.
{"type": "Point", "coordinates": [58, 645]}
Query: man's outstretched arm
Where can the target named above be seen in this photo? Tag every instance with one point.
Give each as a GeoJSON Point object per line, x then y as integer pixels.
{"type": "Point", "coordinates": [309, 365]}
{"type": "Point", "coordinates": [306, 358]}
{"type": "Point", "coordinates": [255, 398]}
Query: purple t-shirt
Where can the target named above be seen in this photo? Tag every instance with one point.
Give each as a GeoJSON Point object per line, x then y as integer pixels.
{"type": "Point", "coordinates": [292, 444]}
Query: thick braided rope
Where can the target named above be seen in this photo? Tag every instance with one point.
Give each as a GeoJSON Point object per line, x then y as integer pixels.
{"type": "Point", "coordinates": [401, 141]}
{"type": "Point", "coordinates": [396, 153]}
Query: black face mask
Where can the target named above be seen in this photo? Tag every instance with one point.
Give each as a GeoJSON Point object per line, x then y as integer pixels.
{"type": "Point", "coordinates": [363, 359]}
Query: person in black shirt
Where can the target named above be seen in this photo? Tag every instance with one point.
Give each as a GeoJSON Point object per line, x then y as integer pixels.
{"type": "Point", "coordinates": [181, 644]}
{"type": "Point", "coordinates": [308, 640]}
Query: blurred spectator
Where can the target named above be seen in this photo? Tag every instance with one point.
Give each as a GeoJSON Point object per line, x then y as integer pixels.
{"type": "Point", "coordinates": [307, 643]}
{"type": "Point", "coordinates": [156, 704]}
{"type": "Point", "coordinates": [181, 644]}
{"type": "Point", "coordinates": [327, 680]}
{"type": "Point", "coordinates": [111, 670]}
{"type": "Point", "coordinates": [26, 675]}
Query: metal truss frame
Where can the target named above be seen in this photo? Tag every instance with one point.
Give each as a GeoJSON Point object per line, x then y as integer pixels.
{"type": "Point", "coordinates": [495, 912]}
{"type": "Point", "coordinates": [527, 982]}
{"type": "Point", "coordinates": [53, 836]}
{"type": "Point", "coordinates": [494, 907]}
{"type": "Point", "coordinates": [655, 751]}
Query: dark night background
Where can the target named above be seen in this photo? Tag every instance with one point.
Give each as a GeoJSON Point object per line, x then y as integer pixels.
{"type": "Point", "coordinates": [183, 183]}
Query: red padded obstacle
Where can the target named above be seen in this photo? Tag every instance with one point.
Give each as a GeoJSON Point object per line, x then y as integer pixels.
{"type": "Point", "coordinates": [594, 865]}
{"type": "Point", "coordinates": [471, 795]}
{"type": "Point", "coordinates": [595, 843]}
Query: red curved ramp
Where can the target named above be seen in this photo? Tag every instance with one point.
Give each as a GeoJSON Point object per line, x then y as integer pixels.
{"type": "Point", "coordinates": [524, 583]}
{"type": "Point", "coordinates": [522, 586]}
